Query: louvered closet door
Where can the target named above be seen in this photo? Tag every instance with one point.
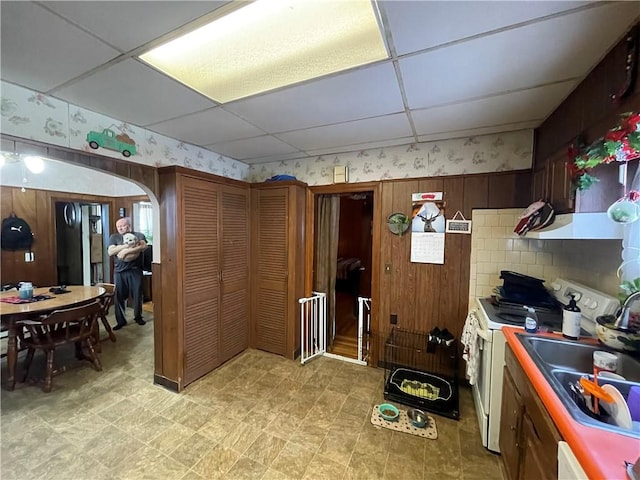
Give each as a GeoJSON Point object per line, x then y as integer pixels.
{"type": "Point", "coordinates": [201, 268]}
{"type": "Point", "coordinates": [234, 317]}
{"type": "Point", "coordinates": [271, 302]}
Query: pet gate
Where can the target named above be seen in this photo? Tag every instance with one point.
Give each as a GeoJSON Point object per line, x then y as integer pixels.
{"type": "Point", "coordinates": [420, 374]}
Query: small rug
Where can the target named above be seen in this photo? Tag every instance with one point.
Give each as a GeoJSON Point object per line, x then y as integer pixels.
{"type": "Point", "coordinates": [403, 424]}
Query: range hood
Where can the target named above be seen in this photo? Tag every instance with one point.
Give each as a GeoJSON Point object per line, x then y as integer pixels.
{"type": "Point", "coordinates": [580, 226]}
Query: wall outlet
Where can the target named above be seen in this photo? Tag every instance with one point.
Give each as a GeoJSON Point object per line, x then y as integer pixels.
{"type": "Point", "coordinates": [28, 256]}
{"type": "Point", "coordinates": [394, 319]}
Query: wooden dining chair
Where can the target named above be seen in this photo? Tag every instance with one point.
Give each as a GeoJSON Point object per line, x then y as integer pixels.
{"type": "Point", "coordinates": [4, 330]}
{"type": "Point", "coordinates": [106, 300]}
{"type": "Point", "coordinates": [62, 327]}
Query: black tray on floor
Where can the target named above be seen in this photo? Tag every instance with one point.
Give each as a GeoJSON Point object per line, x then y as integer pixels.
{"type": "Point", "coordinates": [447, 407]}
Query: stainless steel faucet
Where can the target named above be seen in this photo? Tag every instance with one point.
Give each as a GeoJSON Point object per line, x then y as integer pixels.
{"type": "Point", "coordinates": [623, 318]}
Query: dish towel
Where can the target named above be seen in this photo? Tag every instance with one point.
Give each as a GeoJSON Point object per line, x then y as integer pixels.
{"type": "Point", "coordinates": [470, 340]}
{"type": "Point", "coordinates": [17, 299]}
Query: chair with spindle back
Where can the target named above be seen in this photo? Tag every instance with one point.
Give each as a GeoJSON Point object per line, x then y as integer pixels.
{"type": "Point", "coordinates": [62, 327]}
{"type": "Point", "coordinates": [106, 300]}
{"type": "Point", "coordinates": [4, 334]}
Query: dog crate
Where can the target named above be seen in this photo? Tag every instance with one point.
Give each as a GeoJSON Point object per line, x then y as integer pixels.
{"type": "Point", "coordinates": [421, 374]}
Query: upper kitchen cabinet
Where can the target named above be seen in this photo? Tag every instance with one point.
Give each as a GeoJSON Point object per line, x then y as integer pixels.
{"type": "Point", "coordinates": [278, 211]}
{"type": "Point", "coordinates": [588, 113]}
{"type": "Point", "coordinates": [560, 191]}
{"type": "Point", "coordinates": [205, 275]}
{"type": "Point", "coordinates": [539, 183]}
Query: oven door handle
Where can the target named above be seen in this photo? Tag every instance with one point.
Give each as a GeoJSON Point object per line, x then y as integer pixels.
{"type": "Point", "coordinates": [483, 334]}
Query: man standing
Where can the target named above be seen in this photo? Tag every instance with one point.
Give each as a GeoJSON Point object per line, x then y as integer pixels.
{"type": "Point", "coordinates": [127, 274]}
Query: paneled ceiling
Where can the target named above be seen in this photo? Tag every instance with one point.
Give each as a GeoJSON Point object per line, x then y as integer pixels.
{"type": "Point", "coordinates": [456, 69]}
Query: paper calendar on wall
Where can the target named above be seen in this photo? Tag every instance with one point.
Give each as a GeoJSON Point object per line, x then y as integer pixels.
{"type": "Point", "coordinates": [427, 228]}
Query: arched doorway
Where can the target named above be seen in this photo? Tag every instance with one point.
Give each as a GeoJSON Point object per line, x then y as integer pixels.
{"type": "Point", "coordinates": [144, 177]}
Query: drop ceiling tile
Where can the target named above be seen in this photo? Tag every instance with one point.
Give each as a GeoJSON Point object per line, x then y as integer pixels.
{"type": "Point", "coordinates": [474, 132]}
{"type": "Point", "coordinates": [363, 146]}
{"type": "Point", "coordinates": [256, 147]}
{"type": "Point", "coordinates": [134, 93]}
{"type": "Point", "coordinates": [420, 25]}
{"type": "Point", "coordinates": [276, 158]}
{"type": "Point", "coordinates": [361, 93]}
{"type": "Point", "coordinates": [554, 50]}
{"type": "Point", "coordinates": [350, 133]}
{"type": "Point", "coordinates": [526, 106]}
{"type": "Point", "coordinates": [39, 50]}
{"type": "Point", "coordinates": [127, 25]}
{"type": "Point", "coordinates": [207, 127]}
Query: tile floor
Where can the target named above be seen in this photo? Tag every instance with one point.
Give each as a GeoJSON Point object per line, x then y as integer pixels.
{"type": "Point", "coordinates": [257, 417]}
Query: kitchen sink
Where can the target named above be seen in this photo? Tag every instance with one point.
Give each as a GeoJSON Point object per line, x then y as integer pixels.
{"type": "Point", "coordinates": [577, 357]}
{"type": "Point", "coordinates": [564, 361]}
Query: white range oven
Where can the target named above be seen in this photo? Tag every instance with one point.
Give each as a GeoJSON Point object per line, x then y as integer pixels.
{"type": "Point", "coordinates": [487, 390]}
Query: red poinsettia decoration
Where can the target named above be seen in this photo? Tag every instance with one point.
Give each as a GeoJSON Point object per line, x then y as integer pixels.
{"type": "Point", "coordinates": [620, 144]}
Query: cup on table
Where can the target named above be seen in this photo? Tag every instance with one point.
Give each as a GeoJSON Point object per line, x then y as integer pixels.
{"type": "Point", "coordinates": [26, 290]}
{"type": "Point", "coordinates": [604, 362]}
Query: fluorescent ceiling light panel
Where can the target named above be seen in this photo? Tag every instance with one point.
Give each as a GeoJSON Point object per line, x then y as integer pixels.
{"type": "Point", "coordinates": [270, 44]}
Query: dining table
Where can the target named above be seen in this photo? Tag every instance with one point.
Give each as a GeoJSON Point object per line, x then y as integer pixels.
{"type": "Point", "coordinates": [12, 313]}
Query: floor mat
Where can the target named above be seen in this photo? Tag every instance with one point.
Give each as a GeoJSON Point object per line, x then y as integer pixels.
{"type": "Point", "coordinates": [404, 425]}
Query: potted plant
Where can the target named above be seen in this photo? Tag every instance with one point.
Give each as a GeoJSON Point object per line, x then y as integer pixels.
{"type": "Point", "coordinates": [398, 223]}
{"type": "Point", "coordinates": [629, 287]}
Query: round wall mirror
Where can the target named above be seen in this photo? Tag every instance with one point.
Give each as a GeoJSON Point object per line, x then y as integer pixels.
{"type": "Point", "coordinates": [70, 217]}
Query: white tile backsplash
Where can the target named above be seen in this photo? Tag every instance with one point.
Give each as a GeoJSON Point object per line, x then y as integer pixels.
{"type": "Point", "coordinates": [494, 247]}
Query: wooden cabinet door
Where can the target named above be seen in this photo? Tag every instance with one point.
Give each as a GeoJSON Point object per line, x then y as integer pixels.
{"type": "Point", "coordinates": [200, 270]}
{"type": "Point", "coordinates": [235, 234]}
{"type": "Point", "coordinates": [510, 420]}
{"type": "Point", "coordinates": [539, 189]}
{"type": "Point", "coordinates": [535, 464]}
{"type": "Point", "coordinates": [560, 192]}
{"type": "Point", "coordinates": [271, 227]}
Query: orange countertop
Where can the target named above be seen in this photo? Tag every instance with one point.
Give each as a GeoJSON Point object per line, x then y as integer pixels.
{"type": "Point", "coordinates": [601, 454]}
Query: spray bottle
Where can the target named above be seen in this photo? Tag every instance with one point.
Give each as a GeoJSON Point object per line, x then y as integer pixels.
{"type": "Point", "coordinates": [571, 320]}
{"type": "Point", "coordinates": [531, 320]}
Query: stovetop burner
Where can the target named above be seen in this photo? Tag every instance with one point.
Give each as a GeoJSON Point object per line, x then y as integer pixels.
{"type": "Point", "coordinates": [548, 319]}
{"type": "Point", "coordinates": [503, 311]}
{"type": "Point", "coordinates": [513, 314]}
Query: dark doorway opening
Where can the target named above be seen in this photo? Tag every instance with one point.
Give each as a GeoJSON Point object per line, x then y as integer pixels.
{"type": "Point", "coordinates": [353, 270]}
{"type": "Point", "coordinates": [81, 240]}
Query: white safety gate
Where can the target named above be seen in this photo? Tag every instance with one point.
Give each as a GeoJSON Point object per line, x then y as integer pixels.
{"type": "Point", "coordinates": [313, 328]}
{"type": "Point", "coordinates": [364, 328]}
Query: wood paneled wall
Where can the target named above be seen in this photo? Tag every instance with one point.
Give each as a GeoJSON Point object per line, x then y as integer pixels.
{"type": "Point", "coordinates": [426, 295]}
{"type": "Point", "coordinates": [37, 207]}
